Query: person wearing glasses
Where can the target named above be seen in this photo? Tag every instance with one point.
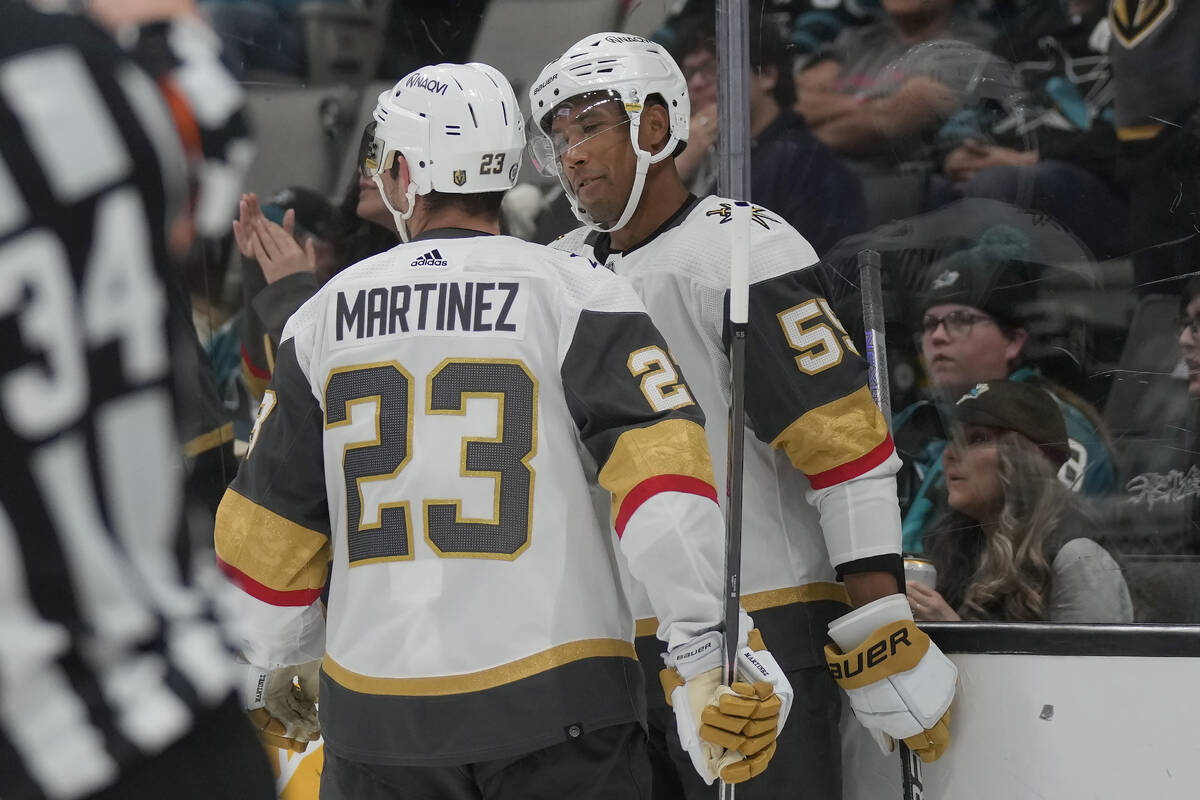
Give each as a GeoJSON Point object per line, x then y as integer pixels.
{"type": "Point", "coordinates": [971, 332]}
{"type": "Point", "coordinates": [784, 152]}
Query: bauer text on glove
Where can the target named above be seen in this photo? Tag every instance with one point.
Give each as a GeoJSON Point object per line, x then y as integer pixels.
{"type": "Point", "coordinates": [898, 682]}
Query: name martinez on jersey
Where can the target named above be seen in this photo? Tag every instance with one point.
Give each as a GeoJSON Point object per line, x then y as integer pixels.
{"type": "Point", "coordinates": [464, 306]}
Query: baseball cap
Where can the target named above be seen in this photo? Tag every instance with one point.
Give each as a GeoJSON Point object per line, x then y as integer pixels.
{"type": "Point", "coordinates": [1016, 406]}
{"type": "Point", "coordinates": [993, 276]}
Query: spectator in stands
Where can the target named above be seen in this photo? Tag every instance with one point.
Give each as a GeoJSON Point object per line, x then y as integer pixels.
{"type": "Point", "coordinates": [1189, 333]}
{"type": "Point", "coordinates": [971, 332]}
{"type": "Point", "coordinates": [1154, 525]}
{"type": "Point", "coordinates": [791, 172]}
{"type": "Point", "coordinates": [290, 247]}
{"type": "Point", "coordinates": [1015, 546]}
{"type": "Point", "coordinates": [817, 24]}
{"type": "Point", "coordinates": [1155, 54]}
{"type": "Point", "coordinates": [858, 105]}
{"type": "Point", "coordinates": [1054, 149]}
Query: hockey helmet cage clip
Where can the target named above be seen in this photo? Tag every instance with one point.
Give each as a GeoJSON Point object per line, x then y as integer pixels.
{"type": "Point", "coordinates": [458, 126]}
{"type": "Point", "coordinates": [606, 66]}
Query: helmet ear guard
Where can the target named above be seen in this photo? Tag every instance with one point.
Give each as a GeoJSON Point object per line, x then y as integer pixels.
{"type": "Point", "coordinates": [632, 70]}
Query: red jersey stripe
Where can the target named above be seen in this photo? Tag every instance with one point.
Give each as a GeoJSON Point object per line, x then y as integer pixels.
{"type": "Point", "coordinates": [660, 483]}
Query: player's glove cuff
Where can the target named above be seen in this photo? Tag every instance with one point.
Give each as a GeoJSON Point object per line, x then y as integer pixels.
{"type": "Point", "coordinates": [898, 682]}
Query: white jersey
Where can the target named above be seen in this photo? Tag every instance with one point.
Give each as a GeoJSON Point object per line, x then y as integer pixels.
{"type": "Point", "coordinates": [819, 474]}
{"type": "Point", "coordinates": [436, 417]}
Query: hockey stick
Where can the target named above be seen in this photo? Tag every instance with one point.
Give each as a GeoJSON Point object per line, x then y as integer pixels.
{"type": "Point", "coordinates": [871, 284]}
{"type": "Point", "coordinates": [733, 180]}
{"type": "Point", "coordinates": [739, 313]}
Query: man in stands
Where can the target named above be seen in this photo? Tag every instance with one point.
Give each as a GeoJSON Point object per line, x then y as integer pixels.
{"type": "Point", "coordinates": [791, 172]}
{"type": "Point", "coordinates": [860, 105]}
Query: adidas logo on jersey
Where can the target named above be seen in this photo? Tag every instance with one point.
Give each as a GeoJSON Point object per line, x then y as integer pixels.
{"type": "Point", "coordinates": [431, 259]}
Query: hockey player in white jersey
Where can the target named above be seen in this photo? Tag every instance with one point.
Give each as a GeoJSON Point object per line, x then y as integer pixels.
{"type": "Point", "coordinates": [821, 521]}
{"type": "Point", "coordinates": [424, 457]}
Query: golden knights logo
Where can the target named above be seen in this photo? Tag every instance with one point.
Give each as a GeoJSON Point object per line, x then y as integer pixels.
{"type": "Point", "coordinates": [759, 215]}
{"type": "Point", "coordinates": [460, 177]}
{"type": "Point", "coordinates": [1134, 20]}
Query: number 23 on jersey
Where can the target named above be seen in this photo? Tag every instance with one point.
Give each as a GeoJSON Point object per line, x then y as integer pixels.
{"type": "Point", "coordinates": [387, 389]}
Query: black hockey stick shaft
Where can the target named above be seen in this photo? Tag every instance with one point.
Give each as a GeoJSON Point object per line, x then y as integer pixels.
{"type": "Point", "coordinates": [870, 281]}
{"type": "Point", "coordinates": [733, 180]}
{"type": "Point", "coordinates": [733, 513]}
{"type": "Point", "coordinates": [739, 307]}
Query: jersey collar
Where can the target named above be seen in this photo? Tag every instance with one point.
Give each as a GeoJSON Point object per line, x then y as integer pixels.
{"type": "Point", "coordinates": [449, 233]}
{"type": "Point", "coordinates": [602, 243]}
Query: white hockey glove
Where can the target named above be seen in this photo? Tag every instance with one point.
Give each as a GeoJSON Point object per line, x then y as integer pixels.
{"type": "Point", "coordinates": [282, 704]}
{"type": "Point", "coordinates": [899, 683]}
{"type": "Point", "coordinates": [729, 732]}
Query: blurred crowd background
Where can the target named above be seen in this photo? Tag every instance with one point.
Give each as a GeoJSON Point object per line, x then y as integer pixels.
{"type": "Point", "coordinates": [1028, 171]}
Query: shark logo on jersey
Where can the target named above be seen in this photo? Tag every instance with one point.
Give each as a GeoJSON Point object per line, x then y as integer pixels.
{"type": "Point", "coordinates": [1134, 20]}
{"type": "Point", "coordinates": [725, 212]}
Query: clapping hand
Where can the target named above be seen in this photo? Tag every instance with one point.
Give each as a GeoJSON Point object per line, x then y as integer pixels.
{"type": "Point", "coordinates": [273, 246]}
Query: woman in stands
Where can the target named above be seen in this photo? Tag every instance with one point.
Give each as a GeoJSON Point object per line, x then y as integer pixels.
{"type": "Point", "coordinates": [1014, 546]}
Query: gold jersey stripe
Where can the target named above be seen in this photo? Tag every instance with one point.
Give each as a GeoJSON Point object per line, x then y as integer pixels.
{"type": "Point", "coordinates": [483, 679]}
{"type": "Point", "coordinates": [298, 775]}
{"type": "Point", "coordinates": [1121, 12]}
{"type": "Point", "coordinates": [773, 598]}
{"type": "Point", "coordinates": [207, 441]}
{"type": "Point", "coordinates": [1135, 133]}
{"type": "Point", "coordinates": [268, 548]}
{"type": "Point", "coordinates": [834, 434]}
{"type": "Point", "coordinates": [808, 593]}
{"type": "Point", "coordinates": [670, 447]}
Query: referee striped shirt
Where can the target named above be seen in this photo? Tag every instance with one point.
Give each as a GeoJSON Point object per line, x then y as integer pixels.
{"type": "Point", "coordinates": [107, 654]}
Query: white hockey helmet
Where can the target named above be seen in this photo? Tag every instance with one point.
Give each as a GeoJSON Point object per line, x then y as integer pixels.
{"type": "Point", "coordinates": [458, 126]}
{"type": "Point", "coordinates": [619, 67]}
